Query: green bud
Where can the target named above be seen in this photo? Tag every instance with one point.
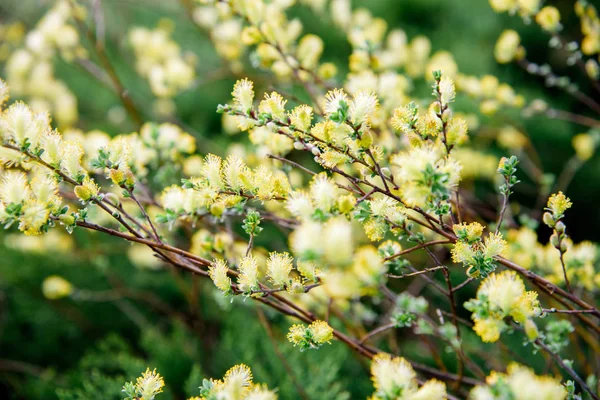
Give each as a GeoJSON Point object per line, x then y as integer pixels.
{"type": "Point", "coordinates": [554, 240]}
{"type": "Point", "coordinates": [67, 219]}
{"type": "Point", "coordinates": [116, 176]}
{"type": "Point", "coordinates": [548, 219]}
{"type": "Point", "coordinates": [563, 247]}
{"type": "Point", "coordinates": [217, 209]}
{"type": "Point", "coordinates": [531, 330]}
{"type": "Point", "coordinates": [446, 115]}
{"type": "Point", "coordinates": [83, 193]}
{"type": "Point", "coordinates": [129, 179]}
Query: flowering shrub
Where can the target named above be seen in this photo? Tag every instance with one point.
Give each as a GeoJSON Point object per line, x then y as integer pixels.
{"type": "Point", "coordinates": [236, 384]}
{"type": "Point", "coordinates": [348, 189]}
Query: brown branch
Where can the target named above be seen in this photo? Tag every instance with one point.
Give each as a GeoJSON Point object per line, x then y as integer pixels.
{"type": "Point", "coordinates": [147, 242]}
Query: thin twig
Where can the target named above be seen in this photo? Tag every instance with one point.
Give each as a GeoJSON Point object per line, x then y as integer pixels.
{"type": "Point", "coordinates": [503, 210]}
{"type": "Point", "coordinates": [424, 271]}
{"type": "Point", "coordinates": [417, 247]}
{"type": "Point", "coordinates": [564, 269]}
{"type": "Point", "coordinates": [292, 163]}
{"type": "Point", "coordinates": [145, 214]}
{"type": "Point", "coordinates": [461, 285]}
{"type": "Point", "coordinates": [554, 310]}
{"type": "Point", "coordinates": [376, 331]}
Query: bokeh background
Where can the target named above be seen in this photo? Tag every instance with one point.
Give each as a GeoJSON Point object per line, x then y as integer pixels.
{"type": "Point", "coordinates": [86, 348]}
